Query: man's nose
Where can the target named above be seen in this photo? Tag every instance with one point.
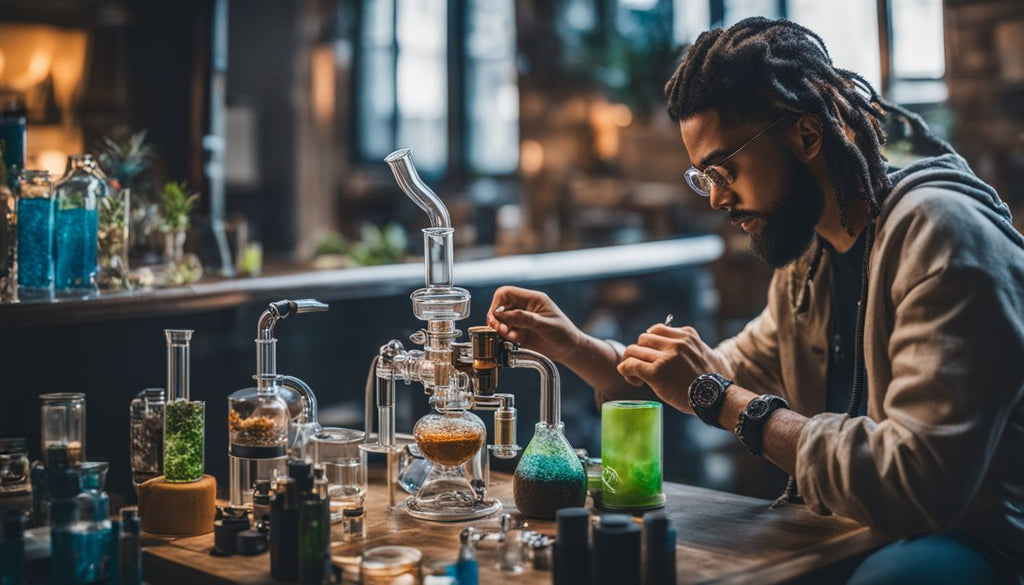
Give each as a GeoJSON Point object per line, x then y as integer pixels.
{"type": "Point", "coordinates": [722, 197]}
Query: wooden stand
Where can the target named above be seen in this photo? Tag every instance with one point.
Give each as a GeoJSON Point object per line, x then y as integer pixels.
{"type": "Point", "coordinates": [178, 509]}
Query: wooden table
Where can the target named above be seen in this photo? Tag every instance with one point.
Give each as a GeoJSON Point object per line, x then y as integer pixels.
{"type": "Point", "coordinates": [722, 539]}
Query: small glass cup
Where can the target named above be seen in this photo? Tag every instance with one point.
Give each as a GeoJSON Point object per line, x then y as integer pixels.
{"type": "Point", "coordinates": [631, 455]}
{"type": "Point", "coordinates": [337, 450]}
{"type": "Point", "coordinates": [63, 424]}
{"type": "Point", "coordinates": [391, 565]}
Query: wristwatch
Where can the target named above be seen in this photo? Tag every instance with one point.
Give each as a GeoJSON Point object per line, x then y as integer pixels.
{"type": "Point", "coordinates": [750, 428]}
{"type": "Point", "coordinates": [706, 395]}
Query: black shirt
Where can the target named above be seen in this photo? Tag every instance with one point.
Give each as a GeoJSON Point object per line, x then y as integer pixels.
{"type": "Point", "coordinates": [846, 282]}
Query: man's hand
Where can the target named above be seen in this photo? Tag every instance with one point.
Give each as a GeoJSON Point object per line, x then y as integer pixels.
{"type": "Point", "coordinates": [531, 319]}
{"type": "Point", "coordinates": [667, 359]}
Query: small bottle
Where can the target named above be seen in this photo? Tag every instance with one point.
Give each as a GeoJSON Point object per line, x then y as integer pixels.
{"type": "Point", "coordinates": [353, 524]}
{"type": "Point", "coordinates": [616, 551]}
{"type": "Point", "coordinates": [314, 525]}
{"type": "Point", "coordinates": [572, 551]}
{"type": "Point", "coordinates": [284, 533]}
{"type": "Point", "coordinates": [129, 551]}
{"type": "Point", "coordinates": [659, 550]}
{"type": "Point", "coordinates": [92, 533]}
{"type": "Point", "coordinates": [467, 570]}
{"type": "Point", "coordinates": [64, 486]}
{"type": "Point", "coordinates": [261, 505]}
{"type": "Point", "coordinates": [12, 548]}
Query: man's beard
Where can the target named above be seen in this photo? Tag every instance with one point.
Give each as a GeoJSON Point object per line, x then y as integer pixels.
{"type": "Point", "coordinates": [788, 225]}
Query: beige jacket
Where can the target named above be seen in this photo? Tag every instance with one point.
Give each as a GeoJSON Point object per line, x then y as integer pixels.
{"type": "Point", "coordinates": [942, 445]}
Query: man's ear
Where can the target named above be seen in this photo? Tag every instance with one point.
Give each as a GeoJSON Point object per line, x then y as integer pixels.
{"type": "Point", "coordinates": [805, 137]}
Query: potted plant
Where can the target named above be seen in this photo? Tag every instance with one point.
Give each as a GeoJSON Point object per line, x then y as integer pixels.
{"type": "Point", "coordinates": [176, 204]}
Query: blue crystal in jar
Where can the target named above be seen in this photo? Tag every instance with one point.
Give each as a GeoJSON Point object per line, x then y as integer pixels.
{"type": "Point", "coordinates": [35, 233]}
{"type": "Point", "coordinates": [76, 226]}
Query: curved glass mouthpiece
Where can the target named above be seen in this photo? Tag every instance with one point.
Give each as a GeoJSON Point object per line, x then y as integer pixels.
{"type": "Point", "coordinates": [409, 180]}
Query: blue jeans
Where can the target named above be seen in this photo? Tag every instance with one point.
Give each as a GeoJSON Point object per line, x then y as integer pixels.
{"type": "Point", "coordinates": [935, 559]}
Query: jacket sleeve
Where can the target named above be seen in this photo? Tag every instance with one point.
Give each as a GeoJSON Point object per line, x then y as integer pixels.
{"type": "Point", "coordinates": [753, 354]}
{"type": "Point", "coordinates": [957, 372]}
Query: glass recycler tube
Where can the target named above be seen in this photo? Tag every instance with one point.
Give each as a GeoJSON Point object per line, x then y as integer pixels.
{"type": "Point", "coordinates": [184, 419]}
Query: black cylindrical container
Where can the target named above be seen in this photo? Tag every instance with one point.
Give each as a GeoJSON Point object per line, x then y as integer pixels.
{"type": "Point", "coordinates": [284, 531]}
{"type": "Point", "coordinates": [659, 550]}
{"type": "Point", "coordinates": [572, 553]}
{"type": "Point", "coordinates": [616, 551]}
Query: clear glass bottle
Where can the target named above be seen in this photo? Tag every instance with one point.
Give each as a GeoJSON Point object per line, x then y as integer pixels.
{"type": "Point", "coordinates": [92, 533]}
{"type": "Point", "coordinates": [258, 420]}
{"type": "Point", "coordinates": [63, 424]}
{"type": "Point", "coordinates": [184, 419]}
{"type": "Point", "coordinates": [129, 550]}
{"type": "Point", "coordinates": [35, 213]}
{"type": "Point", "coordinates": [146, 421]}
{"type": "Point", "coordinates": [76, 225]}
{"type": "Point", "coordinates": [549, 476]}
{"type": "Point", "coordinates": [64, 487]}
{"type": "Point", "coordinates": [114, 217]}
{"type": "Point", "coordinates": [14, 467]}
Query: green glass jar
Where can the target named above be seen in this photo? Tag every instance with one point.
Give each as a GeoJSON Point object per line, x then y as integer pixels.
{"type": "Point", "coordinates": [549, 476]}
{"type": "Point", "coordinates": [631, 455]}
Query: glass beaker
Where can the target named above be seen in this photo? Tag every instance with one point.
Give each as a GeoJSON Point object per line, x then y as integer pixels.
{"type": "Point", "coordinates": [448, 440]}
{"type": "Point", "coordinates": [631, 457]}
{"type": "Point", "coordinates": [35, 235]}
{"type": "Point", "coordinates": [391, 565]}
{"type": "Point", "coordinates": [63, 424]}
{"type": "Point", "coordinates": [337, 450]}
{"type": "Point", "coordinates": [146, 420]}
{"type": "Point", "coordinates": [549, 476]}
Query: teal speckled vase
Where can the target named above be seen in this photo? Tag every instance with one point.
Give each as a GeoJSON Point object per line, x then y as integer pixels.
{"type": "Point", "coordinates": [549, 476]}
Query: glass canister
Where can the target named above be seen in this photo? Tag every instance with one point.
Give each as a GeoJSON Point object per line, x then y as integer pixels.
{"type": "Point", "coordinates": [114, 216]}
{"type": "Point", "coordinates": [549, 476]}
{"type": "Point", "coordinates": [76, 225]}
{"type": "Point", "coordinates": [184, 419]}
{"type": "Point", "coordinates": [146, 421]}
{"type": "Point", "coordinates": [63, 424]}
{"type": "Point", "coordinates": [13, 467]}
{"type": "Point", "coordinates": [631, 455]}
{"type": "Point", "coordinates": [258, 422]}
{"type": "Point", "coordinates": [35, 213]}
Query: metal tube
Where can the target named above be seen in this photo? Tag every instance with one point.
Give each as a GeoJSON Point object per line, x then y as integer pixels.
{"type": "Point", "coordinates": [309, 408]}
{"type": "Point", "coordinates": [550, 385]}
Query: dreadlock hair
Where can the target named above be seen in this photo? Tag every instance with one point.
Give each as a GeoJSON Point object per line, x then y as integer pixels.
{"type": "Point", "coordinates": [759, 69]}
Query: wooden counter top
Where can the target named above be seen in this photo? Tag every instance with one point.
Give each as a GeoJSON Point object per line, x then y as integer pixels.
{"type": "Point", "coordinates": [722, 539]}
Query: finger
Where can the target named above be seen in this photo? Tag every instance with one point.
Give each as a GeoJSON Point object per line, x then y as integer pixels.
{"type": "Point", "coordinates": [640, 352]}
{"type": "Point", "coordinates": [632, 367]}
{"type": "Point", "coordinates": [517, 318]}
{"type": "Point", "coordinates": [660, 342]}
{"type": "Point", "coordinates": [674, 332]}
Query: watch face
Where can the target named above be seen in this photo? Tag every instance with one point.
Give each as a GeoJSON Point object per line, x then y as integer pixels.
{"type": "Point", "coordinates": [757, 408]}
{"type": "Point", "coordinates": [705, 393]}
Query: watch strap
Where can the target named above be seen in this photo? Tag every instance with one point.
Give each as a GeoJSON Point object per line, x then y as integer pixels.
{"type": "Point", "coordinates": [750, 428]}
{"type": "Point", "coordinates": [707, 392]}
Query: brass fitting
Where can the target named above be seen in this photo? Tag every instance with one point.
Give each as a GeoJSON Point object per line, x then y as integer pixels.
{"type": "Point", "coordinates": [486, 357]}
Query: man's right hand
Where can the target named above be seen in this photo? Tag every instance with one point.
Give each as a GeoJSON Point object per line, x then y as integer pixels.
{"type": "Point", "coordinates": [531, 319]}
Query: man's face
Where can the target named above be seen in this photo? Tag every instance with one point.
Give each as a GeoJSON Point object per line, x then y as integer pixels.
{"type": "Point", "coordinates": [773, 196]}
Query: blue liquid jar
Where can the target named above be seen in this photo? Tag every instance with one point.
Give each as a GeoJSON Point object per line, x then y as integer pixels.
{"type": "Point", "coordinates": [35, 235]}
{"type": "Point", "coordinates": [76, 226]}
{"type": "Point", "coordinates": [92, 535]}
{"type": "Point", "coordinates": [12, 547]}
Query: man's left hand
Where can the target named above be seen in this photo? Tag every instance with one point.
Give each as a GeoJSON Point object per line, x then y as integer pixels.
{"type": "Point", "coordinates": [667, 359]}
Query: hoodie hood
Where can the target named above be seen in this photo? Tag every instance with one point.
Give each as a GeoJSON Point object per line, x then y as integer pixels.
{"type": "Point", "coordinates": [951, 172]}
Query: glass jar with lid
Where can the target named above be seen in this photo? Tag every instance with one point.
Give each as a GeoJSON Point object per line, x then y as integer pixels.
{"type": "Point", "coordinates": [63, 424]}
{"type": "Point", "coordinates": [13, 467]}
{"type": "Point", "coordinates": [258, 421]}
{"type": "Point", "coordinates": [146, 421]}
{"type": "Point", "coordinates": [35, 235]}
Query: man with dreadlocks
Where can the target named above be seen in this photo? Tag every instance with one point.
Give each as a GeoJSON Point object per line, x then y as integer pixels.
{"type": "Point", "coordinates": [886, 373]}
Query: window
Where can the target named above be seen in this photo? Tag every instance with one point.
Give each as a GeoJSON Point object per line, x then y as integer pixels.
{"type": "Point", "coordinates": [404, 70]}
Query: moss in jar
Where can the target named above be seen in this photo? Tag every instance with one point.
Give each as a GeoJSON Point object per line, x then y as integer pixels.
{"type": "Point", "coordinates": [183, 441]}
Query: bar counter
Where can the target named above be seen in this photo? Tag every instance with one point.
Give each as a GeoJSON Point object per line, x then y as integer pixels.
{"type": "Point", "coordinates": [722, 539]}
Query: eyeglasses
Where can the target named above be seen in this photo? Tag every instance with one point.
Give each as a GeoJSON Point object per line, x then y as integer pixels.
{"type": "Point", "coordinates": [715, 175]}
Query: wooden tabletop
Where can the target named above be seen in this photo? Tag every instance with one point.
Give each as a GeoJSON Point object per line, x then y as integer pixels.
{"type": "Point", "coordinates": [722, 539]}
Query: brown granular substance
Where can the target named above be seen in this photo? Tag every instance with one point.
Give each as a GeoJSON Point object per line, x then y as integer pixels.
{"type": "Point", "coordinates": [450, 448]}
{"type": "Point", "coordinates": [258, 430]}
